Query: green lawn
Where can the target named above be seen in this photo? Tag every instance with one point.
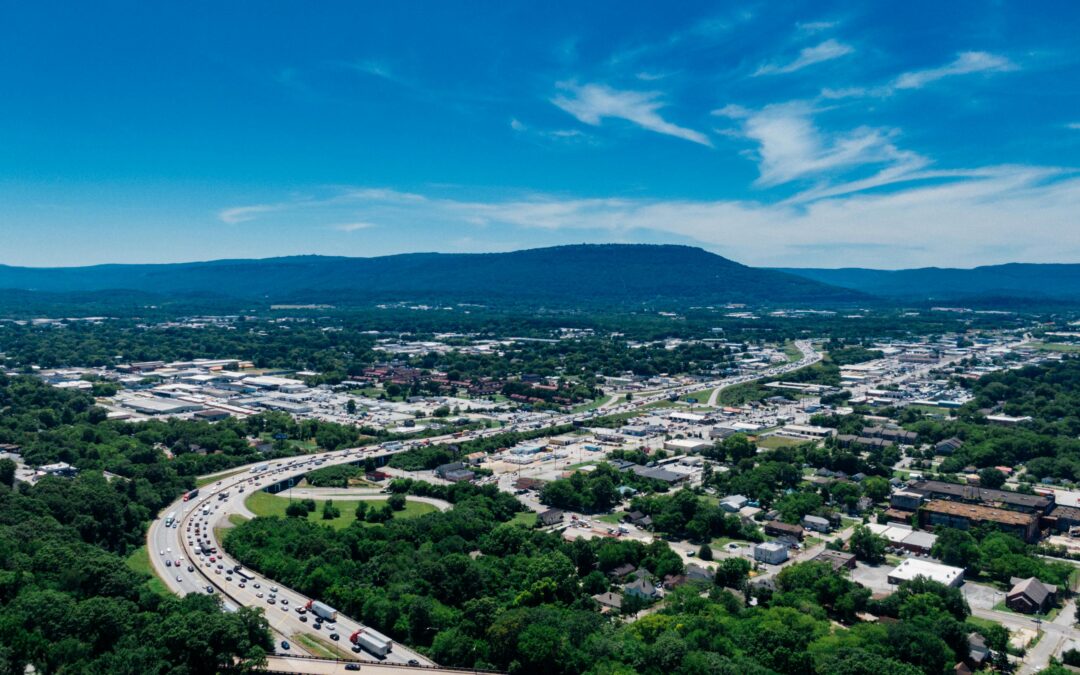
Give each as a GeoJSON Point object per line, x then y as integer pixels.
{"type": "Point", "coordinates": [980, 622]}
{"type": "Point", "coordinates": [792, 352]}
{"type": "Point", "coordinates": [1049, 616]}
{"type": "Point", "coordinates": [701, 396]}
{"type": "Point", "coordinates": [722, 542]}
{"type": "Point", "coordinates": [265, 504]}
{"type": "Point", "coordinates": [526, 518]}
{"type": "Point", "coordinates": [610, 518]}
{"type": "Point", "coordinates": [591, 405]}
{"type": "Point", "coordinates": [139, 561]}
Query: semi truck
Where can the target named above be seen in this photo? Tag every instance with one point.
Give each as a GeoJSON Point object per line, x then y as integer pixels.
{"type": "Point", "coordinates": [170, 519]}
{"type": "Point", "coordinates": [377, 644]}
{"type": "Point", "coordinates": [320, 610]}
{"type": "Point", "coordinates": [191, 494]}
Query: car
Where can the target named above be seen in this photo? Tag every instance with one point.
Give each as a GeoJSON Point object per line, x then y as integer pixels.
{"type": "Point", "coordinates": [259, 594]}
{"type": "Point", "coordinates": [352, 666]}
{"type": "Point", "coordinates": [316, 625]}
{"type": "Point", "coordinates": [413, 662]}
{"type": "Point", "coordinates": [228, 578]}
{"type": "Point", "coordinates": [303, 619]}
{"type": "Point", "coordinates": [213, 559]}
{"type": "Point", "coordinates": [161, 553]}
{"type": "Point", "coordinates": [168, 550]}
{"type": "Point", "coordinates": [243, 585]}
{"type": "Point", "coordinates": [217, 571]}
{"type": "Point", "coordinates": [210, 590]}
{"type": "Point", "coordinates": [356, 649]}
{"type": "Point", "coordinates": [168, 563]}
{"type": "Point", "coordinates": [331, 626]}
{"type": "Point", "coordinates": [301, 610]}
{"type": "Point", "coordinates": [284, 608]}
{"type": "Point", "coordinates": [256, 585]}
{"type": "Point", "coordinates": [284, 601]}
{"type": "Point", "coordinates": [178, 578]}
{"type": "Point", "coordinates": [335, 637]}
{"type": "Point", "coordinates": [190, 568]}
{"type": "Point", "coordinates": [220, 566]}
{"type": "Point", "coordinates": [273, 589]}
{"type": "Point", "coordinates": [271, 601]}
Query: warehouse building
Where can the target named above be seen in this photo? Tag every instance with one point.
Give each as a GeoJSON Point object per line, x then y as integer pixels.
{"type": "Point", "coordinates": [939, 512]}
{"type": "Point", "coordinates": [916, 567]}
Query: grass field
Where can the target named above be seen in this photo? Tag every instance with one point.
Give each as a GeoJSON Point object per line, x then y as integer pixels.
{"type": "Point", "coordinates": [1064, 347]}
{"type": "Point", "coordinates": [773, 442]}
{"type": "Point", "coordinates": [526, 518]}
{"type": "Point", "coordinates": [139, 561]}
{"type": "Point", "coordinates": [591, 405]}
{"type": "Point", "coordinates": [609, 518]}
{"type": "Point", "coordinates": [202, 482]}
{"type": "Point", "coordinates": [792, 352]}
{"type": "Point", "coordinates": [264, 504]}
{"type": "Point", "coordinates": [320, 647]}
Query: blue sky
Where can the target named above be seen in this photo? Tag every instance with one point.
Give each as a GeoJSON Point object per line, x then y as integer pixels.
{"type": "Point", "coordinates": [796, 134]}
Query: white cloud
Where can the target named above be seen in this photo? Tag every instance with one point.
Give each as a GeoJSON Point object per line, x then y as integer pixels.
{"type": "Point", "coordinates": [353, 227]}
{"type": "Point", "coordinates": [1073, 125]}
{"type": "Point", "coordinates": [964, 64]}
{"type": "Point", "coordinates": [826, 51]}
{"type": "Point", "coordinates": [790, 147]}
{"type": "Point", "coordinates": [517, 125]}
{"type": "Point", "coordinates": [592, 103]}
{"type": "Point", "coordinates": [945, 218]}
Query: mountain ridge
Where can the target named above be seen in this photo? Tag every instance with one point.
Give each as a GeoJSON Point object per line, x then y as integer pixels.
{"type": "Point", "coordinates": [633, 273]}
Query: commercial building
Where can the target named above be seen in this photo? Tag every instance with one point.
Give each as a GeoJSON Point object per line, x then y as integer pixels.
{"type": "Point", "coordinates": [939, 512]}
{"type": "Point", "coordinates": [916, 567]}
{"type": "Point", "coordinates": [771, 553]}
{"type": "Point", "coordinates": [969, 494]}
{"type": "Point", "coordinates": [837, 559]}
{"type": "Point", "coordinates": [687, 445]}
{"type": "Point", "coordinates": [807, 431]}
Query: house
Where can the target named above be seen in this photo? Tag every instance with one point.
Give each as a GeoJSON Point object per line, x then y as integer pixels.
{"type": "Point", "coordinates": [641, 587]}
{"type": "Point", "coordinates": [816, 523]}
{"type": "Point", "coordinates": [622, 571]}
{"type": "Point", "coordinates": [698, 573]}
{"type": "Point", "coordinates": [948, 446]}
{"type": "Point", "coordinates": [978, 652]}
{"type": "Point", "coordinates": [550, 517]}
{"type": "Point", "coordinates": [609, 601]}
{"type": "Point", "coordinates": [771, 553]}
{"type": "Point", "coordinates": [778, 529]}
{"type": "Point", "coordinates": [1030, 596]}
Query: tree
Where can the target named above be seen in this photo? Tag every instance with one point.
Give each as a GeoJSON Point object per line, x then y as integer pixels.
{"type": "Point", "coordinates": [867, 546]}
{"type": "Point", "coordinates": [350, 406]}
{"type": "Point", "coordinates": [705, 552]}
{"type": "Point", "coordinates": [329, 511]}
{"type": "Point", "coordinates": [296, 510]}
{"type": "Point", "coordinates": [396, 502]}
{"type": "Point", "coordinates": [991, 478]}
{"type": "Point", "coordinates": [958, 548]}
{"type": "Point", "coordinates": [876, 488]}
{"type": "Point", "coordinates": [361, 510]}
{"type": "Point", "coordinates": [7, 472]}
{"type": "Point", "coordinates": [731, 572]}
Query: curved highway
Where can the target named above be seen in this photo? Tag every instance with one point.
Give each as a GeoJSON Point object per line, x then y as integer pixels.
{"type": "Point", "coordinates": [175, 546]}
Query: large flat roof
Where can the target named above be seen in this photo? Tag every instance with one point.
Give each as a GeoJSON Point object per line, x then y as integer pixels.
{"type": "Point", "coordinates": [916, 567]}
{"type": "Point", "coordinates": [972, 493]}
{"type": "Point", "coordinates": [976, 512]}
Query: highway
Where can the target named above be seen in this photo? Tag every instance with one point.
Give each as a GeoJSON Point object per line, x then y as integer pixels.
{"type": "Point", "coordinates": [176, 556]}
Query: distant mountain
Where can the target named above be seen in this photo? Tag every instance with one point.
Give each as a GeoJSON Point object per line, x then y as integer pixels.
{"type": "Point", "coordinates": [585, 274]}
{"type": "Point", "coordinates": [1014, 280]}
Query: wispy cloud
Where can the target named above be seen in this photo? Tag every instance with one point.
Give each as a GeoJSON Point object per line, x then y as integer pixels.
{"type": "Point", "coordinates": [814, 26]}
{"type": "Point", "coordinates": [353, 227]}
{"type": "Point", "coordinates": [964, 64]}
{"type": "Point", "coordinates": [375, 69]}
{"type": "Point", "coordinates": [592, 103]}
{"type": "Point", "coordinates": [826, 51]}
{"type": "Point", "coordinates": [791, 147]}
{"type": "Point", "coordinates": [241, 214]}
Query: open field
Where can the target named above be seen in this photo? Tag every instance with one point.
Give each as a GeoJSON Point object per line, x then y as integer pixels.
{"type": "Point", "coordinates": [264, 504]}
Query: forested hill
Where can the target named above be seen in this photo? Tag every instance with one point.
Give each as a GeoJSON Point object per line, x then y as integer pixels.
{"type": "Point", "coordinates": [1015, 280]}
{"type": "Point", "coordinates": [582, 274]}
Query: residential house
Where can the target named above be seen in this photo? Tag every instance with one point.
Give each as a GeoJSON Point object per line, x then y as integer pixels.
{"type": "Point", "coordinates": [1030, 596]}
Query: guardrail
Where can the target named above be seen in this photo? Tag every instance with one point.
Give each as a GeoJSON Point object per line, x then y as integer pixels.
{"type": "Point", "coordinates": [396, 666]}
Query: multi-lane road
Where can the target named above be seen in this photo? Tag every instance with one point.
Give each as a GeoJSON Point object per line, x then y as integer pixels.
{"type": "Point", "coordinates": [178, 559]}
